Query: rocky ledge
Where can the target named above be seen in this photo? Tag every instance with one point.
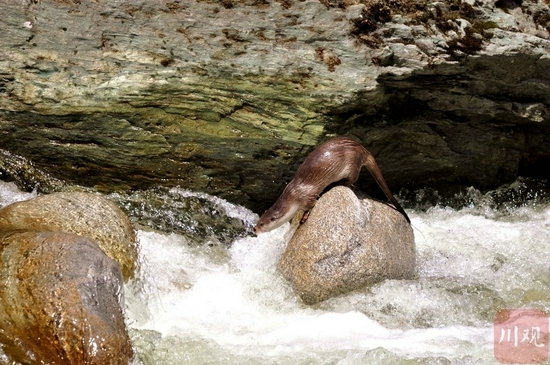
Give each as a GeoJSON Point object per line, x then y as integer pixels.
{"type": "Point", "coordinates": [226, 97]}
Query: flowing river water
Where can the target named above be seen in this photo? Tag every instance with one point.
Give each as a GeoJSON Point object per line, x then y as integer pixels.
{"type": "Point", "coordinates": [226, 303]}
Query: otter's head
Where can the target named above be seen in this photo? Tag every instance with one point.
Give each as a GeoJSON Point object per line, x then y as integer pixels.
{"type": "Point", "coordinates": [276, 216]}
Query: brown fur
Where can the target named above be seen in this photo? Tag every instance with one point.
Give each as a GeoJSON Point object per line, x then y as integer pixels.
{"type": "Point", "coordinates": [337, 160]}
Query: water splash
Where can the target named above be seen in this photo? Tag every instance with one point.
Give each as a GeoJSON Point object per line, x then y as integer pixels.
{"type": "Point", "coordinates": [220, 304]}
{"type": "Point", "coordinates": [524, 192]}
{"type": "Point", "coordinates": [235, 308]}
{"type": "Point", "coordinates": [10, 193]}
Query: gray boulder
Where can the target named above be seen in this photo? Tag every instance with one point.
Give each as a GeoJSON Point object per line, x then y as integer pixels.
{"type": "Point", "coordinates": [60, 301]}
{"type": "Point", "coordinates": [345, 244]}
{"type": "Point", "coordinates": [85, 214]}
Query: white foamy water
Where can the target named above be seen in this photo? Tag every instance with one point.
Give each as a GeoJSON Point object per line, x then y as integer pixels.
{"type": "Point", "coordinates": [233, 307]}
{"type": "Point", "coordinates": [9, 193]}
{"type": "Point", "coordinates": [229, 305]}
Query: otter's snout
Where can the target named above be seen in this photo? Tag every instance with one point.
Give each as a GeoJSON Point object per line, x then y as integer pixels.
{"type": "Point", "coordinates": [257, 230]}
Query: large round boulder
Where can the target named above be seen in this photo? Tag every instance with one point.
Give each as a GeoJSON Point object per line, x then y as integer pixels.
{"type": "Point", "coordinates": [345, 244]}
{"type": "Point", "coordinates": [85, 214]}
{"type": "Point", "coordinates": [61, 301]}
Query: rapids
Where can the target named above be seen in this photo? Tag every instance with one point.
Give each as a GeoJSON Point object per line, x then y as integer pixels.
{"type": "Point", "coordinates": [227, 304]}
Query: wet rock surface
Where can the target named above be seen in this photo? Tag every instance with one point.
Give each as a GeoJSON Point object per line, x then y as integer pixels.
{"type": "Point", "coordinates": [60, 301]}
{"type": "Point", "coordinates": [86, 214]}
{"type": "Point", "coordinates": [228, 97]}
{"type": "Point", "coordinates": [346, 244]}
{"type": "Point", "coordinates": [201, 218]}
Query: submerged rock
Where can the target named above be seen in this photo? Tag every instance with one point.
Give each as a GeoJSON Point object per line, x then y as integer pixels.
{"type": "Point", "coordinates": [60, 301]}
{"type": "Point", "coordinates": [85, 214]}
{"type": "Point", "coordinates": [345, 244]}
{"type": "Point", "coordinates": [201, 218]}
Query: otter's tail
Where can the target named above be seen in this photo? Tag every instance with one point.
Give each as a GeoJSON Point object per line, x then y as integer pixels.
{"type": "Point", "coordinates": [370, 163]}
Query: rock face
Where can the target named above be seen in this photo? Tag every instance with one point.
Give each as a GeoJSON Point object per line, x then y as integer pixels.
{"type": "Point", "coordinates": [60, 301]}
{"type": "Point", "coordinates": [85, 214]}
{"type": "Point", "coordinates": [225, 97]}
{"type": "Point", "coordinates": [346, 244]}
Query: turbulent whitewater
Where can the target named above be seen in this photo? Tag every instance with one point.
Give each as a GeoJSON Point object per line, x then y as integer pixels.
{"type": "Point", "coordinates": [227, 304]}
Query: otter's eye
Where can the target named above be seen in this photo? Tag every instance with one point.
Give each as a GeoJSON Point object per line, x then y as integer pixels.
{"type": "Point", "coordinates": [271, 219]}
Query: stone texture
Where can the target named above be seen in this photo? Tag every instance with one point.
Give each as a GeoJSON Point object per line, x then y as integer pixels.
{"type": "Point", "coordinates": [60, 301]}
{"type": "Point", "coordinates": [228, 97]}
{"type": "Point", "coordinates": [346, 244]}
{"type": "Point", "coordinates": [86, 214]}
{"type": "Point", "coordinates": [201, 218]}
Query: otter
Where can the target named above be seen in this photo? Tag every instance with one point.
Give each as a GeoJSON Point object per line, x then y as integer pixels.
{"type": "Point", "coordinates": [338, 160]}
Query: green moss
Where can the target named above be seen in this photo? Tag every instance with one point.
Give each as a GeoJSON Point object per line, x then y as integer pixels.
{"type": "Point", "coordinates": [480, 26]}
